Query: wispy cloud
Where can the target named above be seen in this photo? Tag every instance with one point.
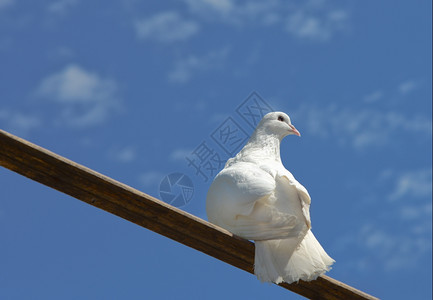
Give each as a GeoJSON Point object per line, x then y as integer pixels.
{"type": "Point", "coordinates": [167, 26]}
{"type": "Point", "coordinates": [404, 88]}
{"type": "Point", "coordinates": [209, 7]}
{"type": "Point", "coordinates": [317, 27]}
{"type": "Point", "coordinates": [395, 235]}
{"type": "Point", "coordinates": [86, 98]}
{"type": "Point", "coordinates": [186, 68]}
{"type": "Point", "coordinates": [5, 3]}
{"type": "Point", "coordinates": [373, 97]}
{"type": "Point", "coordinates": [313, 20]}
{"type": "Point", "coordinates": [61, 6]}
{"type": "Point", "coordinates": [413, 184]}
{"type": "Point", "coordinates": [393, 251]}
{"type": "Point", "coordinates": [18, 122]}
{"type": "Point", "coordinates": [385, 249]}
{"type": "Point", "coordinates": [236, 13]}
{"type": "Point", "coordinates": [416, 212]}
{"type": "Point", "coordinates": [360, 128]}
{"type": "Point", "coordinates": [125, 154]}
{"type": "Point", "coordinates": [408, 86]}
{"type": "Point", "coordinates": [180, 154]}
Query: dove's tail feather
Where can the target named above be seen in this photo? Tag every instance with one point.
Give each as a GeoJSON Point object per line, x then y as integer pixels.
{"type": "Point", "coordinates": [272, 257]}
{"type": "Point", "coordinates": [283, 260]}
{"type": "Point", "coordinates": [309, 261]}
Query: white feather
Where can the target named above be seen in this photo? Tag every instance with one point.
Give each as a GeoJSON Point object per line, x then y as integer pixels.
{"type": "Point", "coordinates": [255, 197]}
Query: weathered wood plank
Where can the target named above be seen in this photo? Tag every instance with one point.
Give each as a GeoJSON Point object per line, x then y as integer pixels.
{"type": "Point", "coordinates": [119, 199]}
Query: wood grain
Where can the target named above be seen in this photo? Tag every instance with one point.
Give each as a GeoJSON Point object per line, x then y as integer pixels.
{"type": "Point", "coordinates": [121, 200]}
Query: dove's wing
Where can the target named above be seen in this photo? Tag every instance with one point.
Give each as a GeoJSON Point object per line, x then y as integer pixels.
{"type": "Point", "coordinates": [241, 198]}
{"type": "Point", "coordinates": [303, 194]}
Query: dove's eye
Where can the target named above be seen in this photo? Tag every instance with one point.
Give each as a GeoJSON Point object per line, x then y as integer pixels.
{"type": "Point", "coordinates": [281, 118]}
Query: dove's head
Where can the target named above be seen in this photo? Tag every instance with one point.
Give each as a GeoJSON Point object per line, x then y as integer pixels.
{"type": "Point", "coordinates": [277, 123]}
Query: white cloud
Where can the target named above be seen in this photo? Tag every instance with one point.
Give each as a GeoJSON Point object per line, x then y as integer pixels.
{"type": "Point", "coordinates": [389, 249]}
{"type": "Point", "coordinates": [407, 86]}
{"type": "Point", "coordinates": [306, 26]}
{"type": "Point", "coordinates": [61, 6]}
{"type": "Point", "coordinates": [394, 251]}
{"type": "Point", "coordinates": [86, 97]}
{"type": "Point", "coordinates": [271, 18]}
{"type": "Point", "coordinates": [360, 128]}
{"type": "Point", "coordinates": [393, 235]}
{"type": "Point", "coordinates": [317, 27]}
{"type": "Point", "coordinates": [237, 13]}
{"type": "Point", "coordinates": [186, 68]}
{"type": "Point", "coordinates": [18, 122]}
{"type": "Point", "coordinates": [126, 154]}
{"type": "Point", "coordinates": [74, 84]}
{"type": "Point", "coordinates": [180, 154]}
{"type": "Point", "coordinates": [220, 7]}
{"type": "Point", "coordinates": [5, 3]}
{"type": "Point", "coordinates": [414, 212]}
{"type": "Point", "coordinates": [166, 27]}
{"type": "Point", "coordinates": [396, 234]}
{"type": "Point", "coordinates": [414, 184]}
{"type": "Point", "coordinates": [312, 20]}
{"type": "Point", "coordinates": [373, 97]}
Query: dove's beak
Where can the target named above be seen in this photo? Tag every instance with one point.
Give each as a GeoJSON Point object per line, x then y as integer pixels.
{"type": "Point", "coordinates": [294, 130]}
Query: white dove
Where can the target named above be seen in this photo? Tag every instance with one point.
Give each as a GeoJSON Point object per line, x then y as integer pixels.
{"type": "Point", "coordinates": [256, 198]}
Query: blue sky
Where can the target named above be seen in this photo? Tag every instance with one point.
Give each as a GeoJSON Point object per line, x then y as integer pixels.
{"type": "Point", "coordinates": [131, 88]}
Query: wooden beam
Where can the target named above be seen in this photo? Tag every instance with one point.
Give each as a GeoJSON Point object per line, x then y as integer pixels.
{"type": "Point", "coordinates": [119, 199]}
